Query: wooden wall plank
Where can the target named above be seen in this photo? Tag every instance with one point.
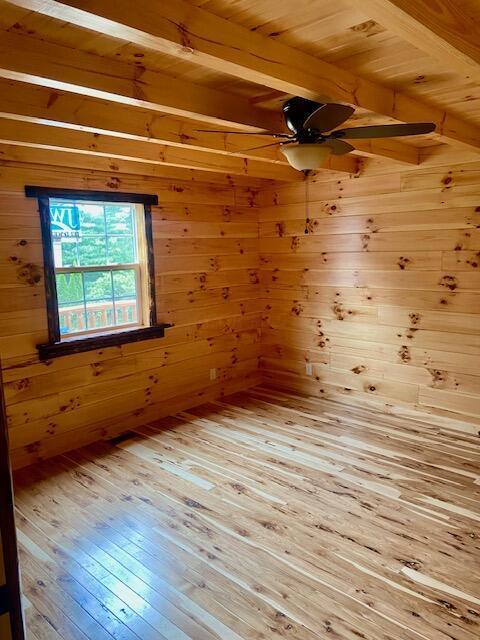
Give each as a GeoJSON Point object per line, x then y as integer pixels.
{"type": "Point", "coordinates": [457, 301]}
{"type": "Point", "coordinates": [375, 283]}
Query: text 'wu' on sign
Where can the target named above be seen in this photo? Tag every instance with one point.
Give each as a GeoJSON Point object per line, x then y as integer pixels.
{"type": "Point", "coordinates": [64, 220]}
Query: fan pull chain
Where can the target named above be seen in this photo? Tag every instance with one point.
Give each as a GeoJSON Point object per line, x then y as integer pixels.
{"type": "Point", "coordinates": [307, 216]}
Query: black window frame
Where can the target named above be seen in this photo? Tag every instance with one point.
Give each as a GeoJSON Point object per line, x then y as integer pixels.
{"type": "Point", "coordinates": [55, 347]}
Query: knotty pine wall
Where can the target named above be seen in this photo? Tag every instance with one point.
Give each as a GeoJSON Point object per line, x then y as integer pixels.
{"type": "Point", "coordinates": [379, 290]}
{"type": "Point", "coordinates": [206, 261]}
{"type": "Point", "coordinates": [381, 296]}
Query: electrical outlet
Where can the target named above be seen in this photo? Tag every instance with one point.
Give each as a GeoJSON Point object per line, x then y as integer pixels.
{"type": "Point", "coordinates": [309, 368]}
{"type": "Point", "coordinates": [213, 374]}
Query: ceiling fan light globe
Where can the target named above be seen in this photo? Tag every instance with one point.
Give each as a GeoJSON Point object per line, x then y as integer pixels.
{"type": "Point", "coordinates": [305, 157]}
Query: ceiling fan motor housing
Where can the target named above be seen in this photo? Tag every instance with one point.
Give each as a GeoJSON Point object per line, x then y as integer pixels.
{"type": "Point", "coordinates": [296, 111]}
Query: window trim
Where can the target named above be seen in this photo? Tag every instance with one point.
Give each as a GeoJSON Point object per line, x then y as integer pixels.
{"type": "Point", "coordinates": [120, 335]}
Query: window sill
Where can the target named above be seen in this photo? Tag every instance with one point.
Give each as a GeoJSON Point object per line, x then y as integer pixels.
{"type": "Point", "coordinates": [58, 349]}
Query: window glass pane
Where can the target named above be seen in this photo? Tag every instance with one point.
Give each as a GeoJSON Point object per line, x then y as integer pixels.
{"type": "Point", "coordinates": [65, 226]}
{"type": "Point", "coordinates": [125, 291]}
{"type": "Point", "coordinates": [120, 219]}
{"type": "Point", "coordinates": [124, 284]}
{"type": "Point", "coordinates": [99, 299]}
{"type": "Point", "coordinates": [68, 248]}
{"type": "Point", "coordinates": [64, 217]}
{"type": "Point", "coordinates": [99, 315]}
{"type": "Point", "coordinates": [121, 250]}
{"type": "Point", "coordinates": [98, 286]}
{"type": "Point", "coordinates": [69, 288]}
{"type": "Point", "coordinates": [71, 308]}
{"type": "Point", "coordinates": [92, 251]}
{"type": "Point", "coordinates": [92, 219]}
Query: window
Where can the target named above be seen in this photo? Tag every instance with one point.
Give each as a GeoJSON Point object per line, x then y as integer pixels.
{"type": "Point", "coordinates": [99, 274]}
{"type": "Point", "coordinates": [99, 262]}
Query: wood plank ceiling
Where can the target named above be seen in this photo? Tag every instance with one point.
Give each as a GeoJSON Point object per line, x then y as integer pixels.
{"type": "Point", "coordinates": [109, 78]}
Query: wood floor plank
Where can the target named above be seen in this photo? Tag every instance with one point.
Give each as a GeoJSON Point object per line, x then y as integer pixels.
{"type": "Point", "coordinates": [142, 601]}
{"type": "Point", "coordinates": [211, 556]}
{"type": "Point", "coordinates": [262, 514]}
{"type": "Point", "coordinates": [57, 555]}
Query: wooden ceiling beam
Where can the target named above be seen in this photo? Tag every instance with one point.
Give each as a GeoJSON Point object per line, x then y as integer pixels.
{"type": "Point", "coordinates": [25, 153]}
{"type": "Point", "coordinates": [81, 142]}
{"type": "Point", "coordinates": [443, 29]}
{"type": "Point", "coordinates": [60, 68]}
{"type": "Point", "coordinates": [62, 139]}
{"type": "Point", "coordinates": [271, 96]}
{"type": "Point", "coordinates": [41, 105]}
{"type": "Point", "coordinates": [387, 148]}
{"type": "Point", "coordinates": [190, 33]}
{"type": "Point", "coordinates": [115, 169]}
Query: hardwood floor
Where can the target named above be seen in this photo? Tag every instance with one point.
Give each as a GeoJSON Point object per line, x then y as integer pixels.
{"type": "Point", "coordinates": [264, 515]}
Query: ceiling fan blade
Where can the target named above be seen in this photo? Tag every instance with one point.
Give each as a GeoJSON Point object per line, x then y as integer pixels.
{"type": "Point", "coordinates": [385, 130]}
{"type": "Point", "coordinates": [328, 116]}
{"type": "Point", "coordinates": [339, 147]}
{"type": "Point", "coordinates": [246, 133]}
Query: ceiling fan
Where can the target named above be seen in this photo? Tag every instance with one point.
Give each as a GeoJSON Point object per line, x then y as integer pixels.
{"type": "Point", "coordinates": [309, 144]}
